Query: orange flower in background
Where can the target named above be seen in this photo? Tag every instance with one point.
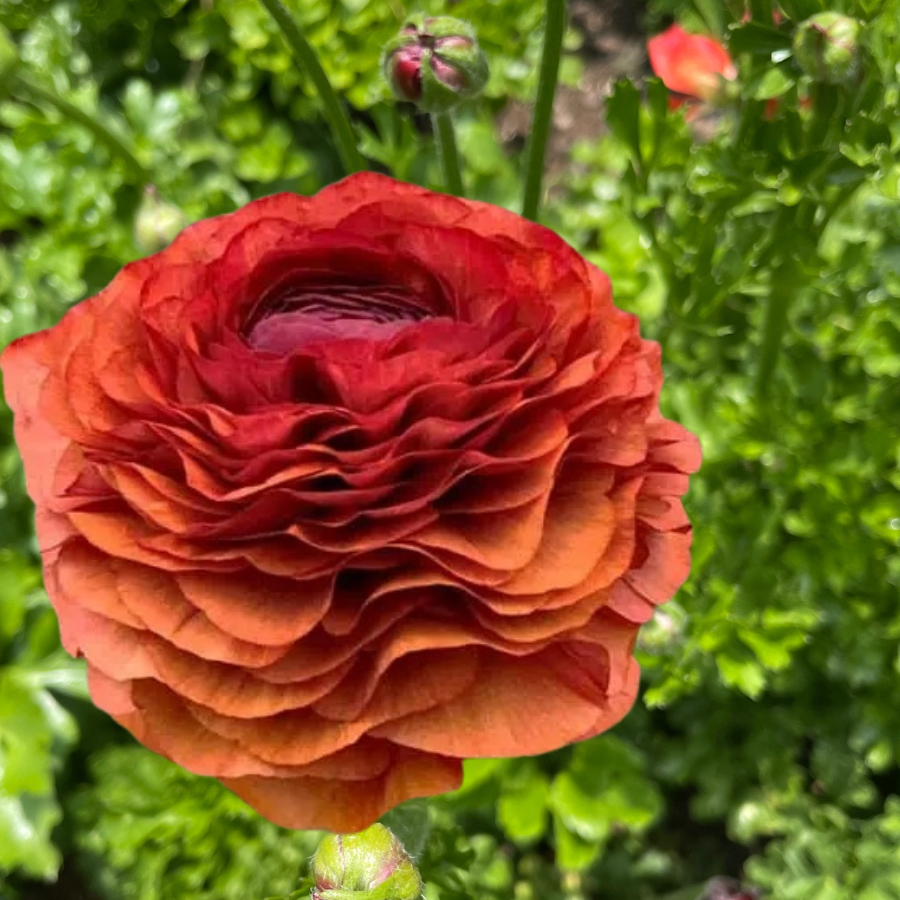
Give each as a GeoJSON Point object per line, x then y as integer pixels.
{"type": "Point", "coordinates": [338, 491]}
{"type": "Point", "coordinates": [690, 64]}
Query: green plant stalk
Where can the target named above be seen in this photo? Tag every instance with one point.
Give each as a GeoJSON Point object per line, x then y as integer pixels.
{"type": "Point", "coordinates": [761, 10]}
{"type": "Point", "coordinates": [446, 146]}
{"type": "Point", "coordinates": [334, 111]}
{"type": "Point", "coordinates": [828, 106]}
{"type": "Point", "coordinates": [774, 325]}
{"type": "Point", "coordinates": [116, 145]}
{"type": "Point", "coordinates": [543, 107]}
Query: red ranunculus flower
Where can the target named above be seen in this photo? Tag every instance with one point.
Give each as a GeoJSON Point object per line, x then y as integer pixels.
{"type": "Point", "coordinates": [690, 64]}
{"type": "Point", "coordinates": [337, 491]}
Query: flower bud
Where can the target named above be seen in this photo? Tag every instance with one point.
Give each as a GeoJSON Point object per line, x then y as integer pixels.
{"type": "Point", "coordinates": [371, 865]}
{"type": "Point", "coordinates": [826, 48]}
{"type": "Point", "coordinates": [435, 62]}
{"type": "Point", "coordinates": [157, 223]}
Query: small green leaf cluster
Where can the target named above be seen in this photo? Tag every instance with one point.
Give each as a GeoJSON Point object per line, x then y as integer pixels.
{"type": "Point", "coordinates": [821, 852]}
{"type": "Point", "coordinates": [36, 729]}
{"type": "Point", "coordinates": [598, 790]}
{"type": "Point", "coordinates": [147, 829]}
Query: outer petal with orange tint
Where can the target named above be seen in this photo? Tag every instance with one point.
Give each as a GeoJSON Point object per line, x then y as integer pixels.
{"type": "Point", "coordinates": [332, 486]}
{"type": "Point", "coordinates": [690, 64]}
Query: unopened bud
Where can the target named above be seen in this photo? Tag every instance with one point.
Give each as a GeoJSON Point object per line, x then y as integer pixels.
{"type": "Point", "coordinates": [371, 865]}
{"type": "Point", "coordinates": [435, 62]}
{"type": "Point", "coordinates": [826, 48]}
{"type": "Point", "coordinates": [157, 223]}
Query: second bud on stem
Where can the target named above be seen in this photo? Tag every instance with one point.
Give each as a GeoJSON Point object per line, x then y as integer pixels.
{"type": "Point", "coordinates": [435, 62]}
{"type": "Point", "coordinates": [826, 47]}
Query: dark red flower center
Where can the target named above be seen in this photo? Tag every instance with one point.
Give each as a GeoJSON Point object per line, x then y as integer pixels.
{"type": "Point", "coordinates": [309, 315]}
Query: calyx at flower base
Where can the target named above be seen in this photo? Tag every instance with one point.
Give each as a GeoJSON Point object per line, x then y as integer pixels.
{"type": "Point", "coordinates": [370, 865]}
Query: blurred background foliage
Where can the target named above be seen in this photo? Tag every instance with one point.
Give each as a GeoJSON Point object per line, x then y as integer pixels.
{"type": "Point", "coordinates": [762, 250]}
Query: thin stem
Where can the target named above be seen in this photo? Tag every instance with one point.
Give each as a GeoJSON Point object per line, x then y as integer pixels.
{"type": "Point", "coordinates": [333, 108]}
{"type": "Point", "coordinates": [446, 145]}
{"type": "Point", "coordinates": [781, 293]}
{"type": "Point", "coordinates": [543, 107]}
{"type": "Point", "coordinates": [115, 144]}
{"type": "Point", "coordinates": [774, 326]}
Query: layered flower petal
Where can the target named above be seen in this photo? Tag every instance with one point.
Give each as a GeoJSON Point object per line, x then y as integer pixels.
{"type": "Point", "coordinates": [328, 486]}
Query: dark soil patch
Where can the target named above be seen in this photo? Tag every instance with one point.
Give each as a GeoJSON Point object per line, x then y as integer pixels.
{"type": "Point", "coordinates": [614, 46]}
{"type": "Point", "coordinates": [69, 887]}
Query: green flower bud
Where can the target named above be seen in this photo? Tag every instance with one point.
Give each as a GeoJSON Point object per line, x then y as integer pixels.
{"type": "Point", "coordinates": [157, 223]}
{"type": "Point", "coordinates": [435, 62]}
{"type": "Point", "coordinates": [371, 865]}
{"type": "Point", "coordinates": [826, 48]}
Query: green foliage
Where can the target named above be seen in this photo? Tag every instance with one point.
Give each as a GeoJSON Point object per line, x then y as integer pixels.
{"type": "Point", "coordinates": [36, 731]}
{"type": "Point", "coordinates": [763, 259]}
{"type": "Point", "coordinates": [761, 252]}
{"type": "Point", "coordinates": [821, 852]}
{"type": "Point", "coordinates": [599, 789]}
{"type": "Point", "coordinates": [240, 44]}
{"type": "Point", "coordinates": [147, 829]}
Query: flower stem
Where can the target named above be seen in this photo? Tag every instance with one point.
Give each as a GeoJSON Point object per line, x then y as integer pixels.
{"type": "Point", "coordinates": [337, 119]}
{"type": "Point", "coordinates": [787, 281]}
{"type": "Point", "coordinates": [116, 145]}
{"type": "Point", "coordinates": [785, 284]}
{"type": "Point", "coordinates": [446, 144]}
{"type": "Point", "coordinates": [543, 107]}
{"type": "Point", "coordinates": [773, 330]}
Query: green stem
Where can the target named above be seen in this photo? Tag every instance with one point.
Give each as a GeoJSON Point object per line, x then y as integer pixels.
{"type": "Point", "coordinates": [115, 144]}
{"type": "Point", "coordinates": [781, 291]}
{"type": "Point", "coordinates": [827, 101]}
{"type": "Point", "coordinates": [775, 321]}
{"type": "Point", "coordinates": [761, 10]}
{"type": "Point", "coordinates": [835, 207]}
{"type": "Point", "coordinates": [543, 107]}
{"type": "Point", "coordinates": [446, 145]}
{"type": "Point", "coordinates": [333, 109]}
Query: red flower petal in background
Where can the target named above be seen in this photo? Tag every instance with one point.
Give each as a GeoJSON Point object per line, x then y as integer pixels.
{"type": "Point", "coordinates": [690, 64]}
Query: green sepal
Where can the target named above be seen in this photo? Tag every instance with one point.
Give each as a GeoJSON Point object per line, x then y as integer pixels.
{"type": "Point", "coordinates": [370, 865]}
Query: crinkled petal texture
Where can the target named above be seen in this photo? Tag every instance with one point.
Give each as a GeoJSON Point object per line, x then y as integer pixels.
{"type": "Point", "coordinates": [337, 491]}
{"type": "Point", "coordinates": [690, 64]}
